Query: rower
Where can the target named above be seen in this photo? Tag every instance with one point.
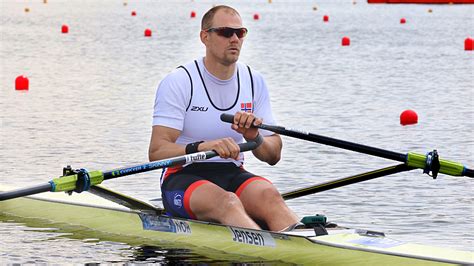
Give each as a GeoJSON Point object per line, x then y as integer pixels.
{"type": "Point", "coordinates": [186, 120]}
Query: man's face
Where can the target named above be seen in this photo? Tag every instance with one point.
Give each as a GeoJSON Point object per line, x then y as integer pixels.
{"type": "Point", "coordinates": [225, 50]}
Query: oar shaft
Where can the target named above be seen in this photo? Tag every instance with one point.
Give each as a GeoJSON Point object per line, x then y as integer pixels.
{"type": "Point", "coordinates": [180, 160]}
{"type": "Point", "coordinates": [411, 159]}
{"type": "Point", "coordinates": [336, 143]}
{"type": "Point", "coordinates": [69, 182]}
{"type": "Point", "coordinates": [25, 191]}
{"type": "Point", "coordinates": [326, 140]}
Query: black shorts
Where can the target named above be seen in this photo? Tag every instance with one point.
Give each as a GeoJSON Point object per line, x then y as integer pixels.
{"type": "Point", "coordinates": [179, 183]}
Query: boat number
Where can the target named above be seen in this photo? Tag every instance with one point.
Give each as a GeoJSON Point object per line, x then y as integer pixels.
{"type": "Point", "coordinates": [252, 237]}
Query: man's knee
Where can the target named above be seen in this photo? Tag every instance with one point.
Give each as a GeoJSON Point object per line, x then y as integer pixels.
{"type": "Point", "coordinates": [230, 202]}
{"type": "Point", "coordinates": [270, 195]}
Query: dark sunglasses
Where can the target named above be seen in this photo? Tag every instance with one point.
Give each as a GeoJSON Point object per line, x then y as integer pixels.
{"type": "Point", "coordinates": [229, 32]}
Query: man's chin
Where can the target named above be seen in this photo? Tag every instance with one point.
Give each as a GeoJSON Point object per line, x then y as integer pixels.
{"type": "Point", "coordinates": [231, 59]}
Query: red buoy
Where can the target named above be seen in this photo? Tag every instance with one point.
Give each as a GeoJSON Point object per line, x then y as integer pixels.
{"type": "Point", "coordinates": [256, 16]}
{"type": "Point", "coordinates": [469, 44]}
{"type": "Point", "coordinates": [326, 18]}
{"type": "Point", "coordinates": [147, 33]}
{"type": "Point", "coordinates": [64, 29]}
{"type": "Point", "coordinates": [408, 117]}
{"type": "Point", "coordinates": [193, 14]}
{"type": "Point", "coordinates": [403, 21]}
{"type": "Point", "coordinates": [346, 41]}
{"type": "Point", "coordinates": [22, 83]}
{"type": "Point", "coordinates": [134, 13]}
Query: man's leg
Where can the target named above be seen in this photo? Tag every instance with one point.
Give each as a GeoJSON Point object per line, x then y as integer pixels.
{"type": "Point", "coordinates": [262, 201]}
{"type": "Point", "coordinates": [209, 202]}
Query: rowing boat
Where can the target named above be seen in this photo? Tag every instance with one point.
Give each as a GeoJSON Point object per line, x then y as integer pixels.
{"type": "Point", "coordinates": [116, 216]}
{"type": "Point", "coordinates": [149, 226]}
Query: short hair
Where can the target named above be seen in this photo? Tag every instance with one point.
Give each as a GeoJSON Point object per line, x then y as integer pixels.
{"type": "Point", "coordinates": [206, 21]}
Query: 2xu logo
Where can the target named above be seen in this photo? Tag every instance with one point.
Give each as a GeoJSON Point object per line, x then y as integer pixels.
{"type": "Point", "coordinates": [199, 108]}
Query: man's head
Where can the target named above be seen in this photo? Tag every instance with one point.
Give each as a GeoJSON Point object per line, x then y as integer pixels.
{"type": "Point", "coordinates": [223, 34]}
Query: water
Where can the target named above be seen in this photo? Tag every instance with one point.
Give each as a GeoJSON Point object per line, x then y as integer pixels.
{"type": "Point", "coordinates": [92, 92]}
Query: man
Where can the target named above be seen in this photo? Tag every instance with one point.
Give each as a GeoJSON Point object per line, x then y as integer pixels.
{"type": "Point", "coordinates": [188, 104]}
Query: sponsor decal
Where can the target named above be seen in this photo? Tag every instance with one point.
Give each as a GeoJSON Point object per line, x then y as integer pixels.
{"type": "Point", "coordinates": [379, 242]}
{"type": "Point", "coordinates": [299, 131]}
{"type": "Point", "coordinates": [182, 227]}
{"type": "Point", "coordinates": [164, 224]}
{"type": "Point", "coordinates": [199, 108]}
{"type": "Point", "coordinates": [195, 157]}
{"type": "Point", "coordinates": [246, 107]}
{"type": "Point", "coordinates": [178, 200]}
{"type": "Point", "coordinates": [140, 168]}
{"type": "Point", "coordinates": [252, 237]}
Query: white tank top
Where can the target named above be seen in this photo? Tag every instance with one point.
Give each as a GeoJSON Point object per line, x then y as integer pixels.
{"type": "Point", "coordinates": [191, 100]}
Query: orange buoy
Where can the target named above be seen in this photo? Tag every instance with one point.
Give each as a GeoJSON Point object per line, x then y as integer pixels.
{"type": "Point", "coordinates": [193, 14]}
{"type": "Point", "coordinates": [326, 18]}
{"type": "Point", "coordinates": [408, 117]}
{"type": "Point", "coordinates": [346, 41]}
{"type": "Point", "coordinates": [147, 33]}
{"type": "Point", "coordinates": [469, 44]}
{"type": "Point", "coordinates": [403, 21]}
{"type": "Point", "coordinates": [22, 83]}
{"type": "Point", "coordinates": [134, 13]}
{"type": "Point", "coordinates": [256, 16]}
{"type": "Point", "coordinates": [64, 29]}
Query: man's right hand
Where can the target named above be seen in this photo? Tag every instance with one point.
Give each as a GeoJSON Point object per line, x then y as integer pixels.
{"type": "Point", "coordinates": [226, 148]}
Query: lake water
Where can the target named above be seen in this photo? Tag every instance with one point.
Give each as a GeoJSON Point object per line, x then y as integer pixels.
{"type": "Point", "coordinates": [92, 92]}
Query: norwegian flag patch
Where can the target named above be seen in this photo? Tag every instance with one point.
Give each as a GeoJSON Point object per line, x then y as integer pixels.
{"type": "Point", "coordinates": [246, 107]}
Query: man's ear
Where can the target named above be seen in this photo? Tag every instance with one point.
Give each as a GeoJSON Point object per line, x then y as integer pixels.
{"type": "Point", "coordinates": [204, 37]}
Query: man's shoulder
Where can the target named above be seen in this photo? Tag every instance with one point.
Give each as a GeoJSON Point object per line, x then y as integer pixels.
{"type": "Point", "coordinates": [178, 74]}
{"type": "Point", "coordinates": [256, 75]}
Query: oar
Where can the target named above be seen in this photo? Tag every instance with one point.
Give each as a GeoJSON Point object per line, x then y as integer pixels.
{"type": "Point", "coordinates": [80, 180]}
{"type": "Point", "coordinates": [346, 181]}
{"type": "Point", "coordinates": [427, 162]}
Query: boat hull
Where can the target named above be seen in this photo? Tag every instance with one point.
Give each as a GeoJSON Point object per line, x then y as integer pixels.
{"type": "Point", "coordinates": [117, 223]}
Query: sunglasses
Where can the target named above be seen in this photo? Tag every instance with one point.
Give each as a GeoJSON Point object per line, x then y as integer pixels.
{"type": "Point", "coordinates": [229, 32]}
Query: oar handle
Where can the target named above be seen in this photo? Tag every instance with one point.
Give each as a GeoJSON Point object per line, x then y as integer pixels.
{"type": "Point", "coordinates": [69, 182]}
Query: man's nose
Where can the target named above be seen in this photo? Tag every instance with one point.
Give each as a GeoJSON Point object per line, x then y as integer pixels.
{"type": "Point", "coordinates": [234, 37]}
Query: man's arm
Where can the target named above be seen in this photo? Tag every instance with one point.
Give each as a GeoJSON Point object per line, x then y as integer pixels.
{"type": "Point", "coordinates": [162, 143]}
{"type": "Point", "coordinates": [270, 149]}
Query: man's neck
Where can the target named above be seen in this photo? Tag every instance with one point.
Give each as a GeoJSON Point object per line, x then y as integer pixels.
{"type": "Point", "coordinates": [220, 71]}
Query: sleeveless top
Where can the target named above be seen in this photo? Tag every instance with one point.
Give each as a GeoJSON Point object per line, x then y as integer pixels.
{"type": "Point", "coordinates": [191, 100]}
